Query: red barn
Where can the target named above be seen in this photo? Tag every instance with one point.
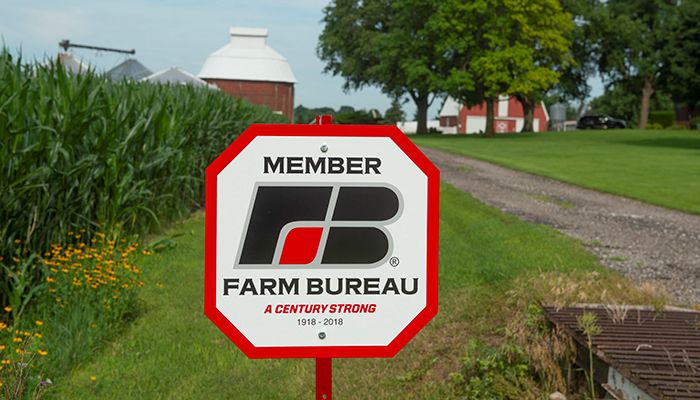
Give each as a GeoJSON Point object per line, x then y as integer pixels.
{"type": "Point", "coordinates": [250, 69]}
{"type": "Point", "coordinates": [508, 117]}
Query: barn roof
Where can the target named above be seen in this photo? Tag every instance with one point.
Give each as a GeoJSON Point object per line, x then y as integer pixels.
{"type": "Point", "coordinates": [129, 69]}
{"type": "Point", "coordinates": [247, 57]}
{"type": "Point", "coordinates": [175, 75]}
{"type": "Point", "coordinates": [450, 108]}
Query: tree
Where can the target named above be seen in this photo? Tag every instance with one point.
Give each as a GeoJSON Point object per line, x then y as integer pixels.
{"type": "Point", "coordinates": [679, 73]}
{"type": "Point", "coordinates": [356, 117]}
{"type": "Point", "coordinates": [620, 102]}
{"type": "Point", "coordinates": [573, 82]}
{"type": "Point", "coordinates": [386, 44]}
{"type": "Point", "coordinates": [502, 46]}
{"type": "Point", "coordinates": [303, 115]}
{"type": "Point", "coordinates": [394, 113]}
{"type": "Point", "coordinates": [630, 45]}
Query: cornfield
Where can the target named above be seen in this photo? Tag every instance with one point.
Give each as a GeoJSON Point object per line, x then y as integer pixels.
{"type": "Point", "coordinates": [79, 151]}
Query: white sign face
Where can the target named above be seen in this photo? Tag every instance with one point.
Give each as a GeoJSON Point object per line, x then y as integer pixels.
{"type": "Point", "coordinates": [321, 241]}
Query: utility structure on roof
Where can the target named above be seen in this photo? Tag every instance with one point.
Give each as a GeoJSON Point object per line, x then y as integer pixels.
{"type": "Point", "coordinates": [250, 69]}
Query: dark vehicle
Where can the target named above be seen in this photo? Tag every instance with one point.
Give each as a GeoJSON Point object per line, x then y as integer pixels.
{"type": "Point", "coordinates": [600, 122]}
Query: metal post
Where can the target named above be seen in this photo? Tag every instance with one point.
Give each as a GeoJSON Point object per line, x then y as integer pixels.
{"type": "Point", "coordinates": [324, 119]}
{"type": "Point", "coordinates": [324, 366]}
{"type": "Point", "coordinates": [324, 378]}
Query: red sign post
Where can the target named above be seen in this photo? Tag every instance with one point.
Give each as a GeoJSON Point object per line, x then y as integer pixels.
{"type": "Point", "coordinates": [321, 242]}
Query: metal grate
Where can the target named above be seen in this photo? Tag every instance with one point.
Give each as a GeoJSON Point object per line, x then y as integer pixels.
{"type": "Point", "coordinates": [659, 352]}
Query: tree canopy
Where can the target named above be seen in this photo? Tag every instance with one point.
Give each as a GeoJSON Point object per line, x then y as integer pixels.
{"type": "Point", "coordinates": [502, 46]}
{"type": "Point", "coordinates": [631, 37]}
{"type": "Point", "coordinates": [479, 49]}
{"type": "Point", "coordinates": [384, 43]}
{"type": "Point", "coordinates": [681, 54]}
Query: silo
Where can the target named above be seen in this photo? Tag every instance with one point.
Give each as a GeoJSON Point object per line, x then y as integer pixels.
{"type": "Point", "coordinates": [250, 69]}
{"type": "Point", "coordinates": [558, 112]}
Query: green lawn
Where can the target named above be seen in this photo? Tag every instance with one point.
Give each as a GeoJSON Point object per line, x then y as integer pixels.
{"type": "Point", "coordinates": [656, 166]}
{"type": "Point", "coordinates": [172, 351]}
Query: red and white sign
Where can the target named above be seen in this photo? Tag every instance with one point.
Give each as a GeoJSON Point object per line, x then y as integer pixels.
{"type": "Point", "coordinates": [321, 241]}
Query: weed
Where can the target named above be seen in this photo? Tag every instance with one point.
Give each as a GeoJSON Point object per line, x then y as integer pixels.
{"type": "Point", "coordinates": [588, 323]}
{"type": "Point", "coordinates": [20, 351]}
{"type": "Point", "coordinates": [466, 168]}
{"type": "Point", "coordinates": [616, 312]}
{"type": "Point", "coordinates": [549, 199]}
{"type": "Point", "coordinates": [495, 373]}
{"type": "Point", "coordinates": [418, 373]}
{"type": "Point", "coordinates": [20, 282]}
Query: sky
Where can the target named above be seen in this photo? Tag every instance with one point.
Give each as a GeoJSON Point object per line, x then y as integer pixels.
{"type": "Point", "coordinates": [183, 33]}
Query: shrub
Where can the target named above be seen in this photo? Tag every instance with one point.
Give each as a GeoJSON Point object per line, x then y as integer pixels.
{"type": "Point", "coordinates": [694, 123]}
{"type": "Point", "coordinates": [495, 373]}
{"type": "Point", "coordinates": [91, 288]}
{"type": "Point", "coordinates": [663, 118]}
{"type": "Point", "coordinates": [21, 348]}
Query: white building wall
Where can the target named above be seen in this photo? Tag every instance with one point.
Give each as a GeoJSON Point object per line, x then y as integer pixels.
{"type": "Point", "coordinates": [519, 122]}
{"type": "Point", "coordinates": [503, 106]}
{"type": "Point", "coordinates": [476, 124]}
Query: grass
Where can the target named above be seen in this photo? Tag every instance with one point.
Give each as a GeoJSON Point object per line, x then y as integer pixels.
{"type": "Point", "coordinates": [660, 167]}
{"type": "Point", "coordinates": [549, 199]}
{"type": "Point", "coordinates": [172, 351]}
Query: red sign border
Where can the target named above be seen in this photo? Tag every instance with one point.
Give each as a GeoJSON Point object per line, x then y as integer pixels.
{"type": "Point", "coordinates": [433, 216]}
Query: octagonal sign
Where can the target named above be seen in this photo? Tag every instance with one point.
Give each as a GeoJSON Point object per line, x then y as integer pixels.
{"type": "Point", "coordinates": [321, 241]}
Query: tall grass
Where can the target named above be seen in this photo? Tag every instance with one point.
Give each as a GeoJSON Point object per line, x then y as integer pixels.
{"type": "Point", "coordinates": [78, 151]}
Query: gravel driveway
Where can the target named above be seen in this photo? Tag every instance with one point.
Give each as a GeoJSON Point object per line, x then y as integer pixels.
{"type": "Point", "coordinates": [644, 242]}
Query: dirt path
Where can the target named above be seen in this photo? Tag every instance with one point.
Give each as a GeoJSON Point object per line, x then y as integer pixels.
{"type": "Point", "coordinates": [644, 242]}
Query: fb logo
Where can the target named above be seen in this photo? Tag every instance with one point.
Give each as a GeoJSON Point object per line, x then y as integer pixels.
{"type": "Point", "coordinates": [319, 226]}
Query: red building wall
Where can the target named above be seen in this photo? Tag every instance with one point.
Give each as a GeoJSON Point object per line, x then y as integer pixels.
{"type": "Point", "coordinates": [515, 110]}
{"type": "Point", "coordinates": [278, 96]}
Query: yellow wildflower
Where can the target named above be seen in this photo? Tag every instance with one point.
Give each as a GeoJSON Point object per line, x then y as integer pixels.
{"type": "Point", "coordinates": [50, 279]}
{"type": "Point", "coordinates": [39, 322]}
{"type": "Point", "coordinates": [42, 352]}
{"type": "Point", "coordinates": [2, 326]}
{"type": "Point", "coordinates": [93, 378]}
{"type": "Point", "coordinates": [8, 309]}
{"type": "Point", "coordinates": [5, 362]}
{"type": "Point", "coordinates": [17, 339]}
{"type": "Point", "coordinates": [2, 347]}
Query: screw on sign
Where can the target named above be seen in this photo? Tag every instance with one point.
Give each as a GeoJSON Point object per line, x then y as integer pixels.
{"type": "Point", "coordinates": [321, 242]}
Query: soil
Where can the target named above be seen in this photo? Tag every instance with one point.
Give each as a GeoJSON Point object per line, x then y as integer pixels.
{"type": "Point", "coordinates": [644, 242]}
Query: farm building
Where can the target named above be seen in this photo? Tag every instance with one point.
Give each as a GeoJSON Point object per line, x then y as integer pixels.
{"type": "Point", "coordinates": [508, 117]}
{"type": "Point", "coordinates": [175, 75]}
{"type": "Point", "coordinates": [72, 64]}
{"type": "Point", "coordinates": [130, 69]}
{"type": "Point", "coordinates": [248, 68]}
